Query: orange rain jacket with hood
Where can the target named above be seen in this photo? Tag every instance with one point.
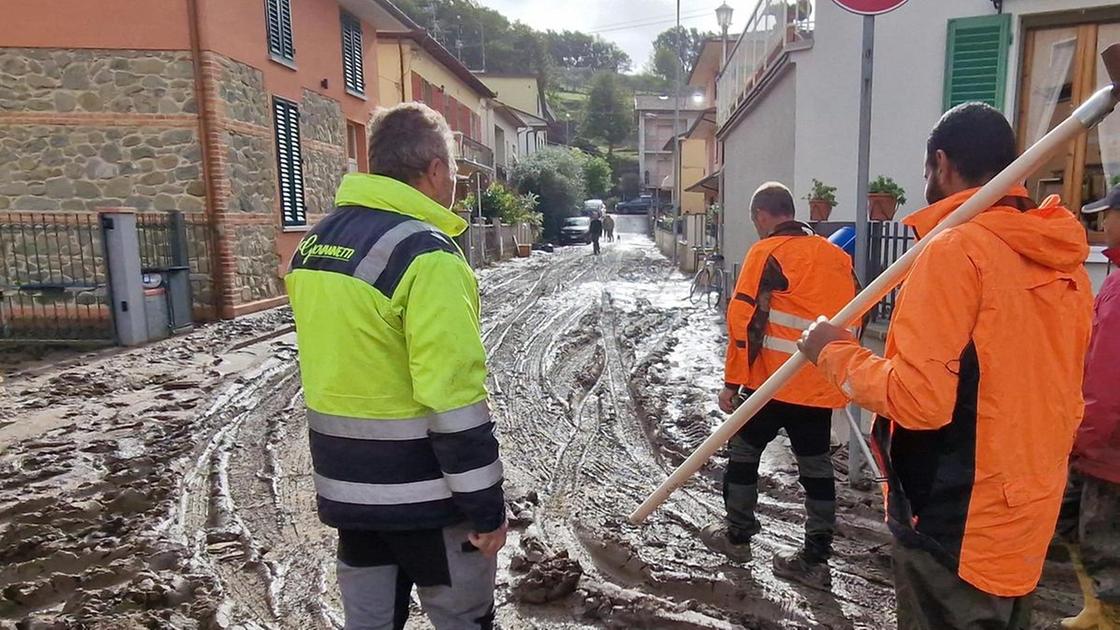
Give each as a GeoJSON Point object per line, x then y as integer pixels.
{"type": "Point", "coordinates": [979, 396]}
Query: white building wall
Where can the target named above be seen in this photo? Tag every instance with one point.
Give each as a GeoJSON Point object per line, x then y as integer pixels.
{"type": "Point", "coordinates": [760, 148]}
{"type": "Point", "coordinates": [910, 45]}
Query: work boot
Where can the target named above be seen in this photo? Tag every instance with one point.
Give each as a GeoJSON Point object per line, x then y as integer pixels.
{"type": "Point", "coordinates": [1090, 616]}
{"type": "Point", "coordinates": [719, 538]}
{"type": "Point", "coordinates": [804, 566]}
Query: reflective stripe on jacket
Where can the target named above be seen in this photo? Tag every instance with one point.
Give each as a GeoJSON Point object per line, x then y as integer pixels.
{"type": "Point", "coordinates": [1097, 450]}
{"type": "Point", "coordinates": [788, 280]}
{"type": "Point", "coordinates": [392, 363]}
{"type": "Point", "coordinates": [979, 395]}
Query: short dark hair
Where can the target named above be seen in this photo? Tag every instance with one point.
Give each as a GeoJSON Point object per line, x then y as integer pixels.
{"type": "Point", "coordinates": [403, 141]}
{"type": "Point", "coordinates": [774, 198]}
{"type": "Point", "coordinates": [977, 138]}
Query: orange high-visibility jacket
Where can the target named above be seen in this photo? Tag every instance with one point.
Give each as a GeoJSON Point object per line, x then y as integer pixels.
{"type": "Point", "coordinates": [979, 395]}
{"type": "Point", "coordinates": [787, 281]}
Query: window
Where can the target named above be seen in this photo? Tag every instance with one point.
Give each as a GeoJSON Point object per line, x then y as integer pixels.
{"type": "Point", "coordinates": [289, 163]}
{"type": "Point", "coordinates": [352, 55]}
{"type": "Point", "coordinates": [355, 143]}
{"type": "Point", "coordinates": [1061, 69]}
{"type": "Point", "coordinates": [279, 14]}
{"type": "Point", "coordinates": [976, 60]}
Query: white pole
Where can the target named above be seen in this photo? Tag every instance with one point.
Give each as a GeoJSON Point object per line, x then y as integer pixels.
{"type": "Point", "coordinates": [1090, 113]}
{"type": "Point", "coordinates": [677, 141]}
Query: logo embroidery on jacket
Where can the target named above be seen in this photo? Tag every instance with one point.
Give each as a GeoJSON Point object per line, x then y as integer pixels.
{"type": "Point", "coordinates": [311, 248]}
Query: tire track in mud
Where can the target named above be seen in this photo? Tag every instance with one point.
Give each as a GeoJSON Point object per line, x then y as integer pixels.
{"type": "Point", "coordinates": [604, 444]}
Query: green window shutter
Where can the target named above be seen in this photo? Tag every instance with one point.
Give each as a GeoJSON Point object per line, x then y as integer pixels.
{"type": "Point", "coordinates": [976, 60]}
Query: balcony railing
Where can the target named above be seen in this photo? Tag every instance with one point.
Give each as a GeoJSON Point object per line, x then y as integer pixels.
{"type": "Point", "coordinates": [473, 151]}
{"type": "Point", "coordinates": [774, 27]}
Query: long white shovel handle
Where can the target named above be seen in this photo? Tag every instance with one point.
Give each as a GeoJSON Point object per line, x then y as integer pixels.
{"type": "Point", "coordinates": [1085, 117]}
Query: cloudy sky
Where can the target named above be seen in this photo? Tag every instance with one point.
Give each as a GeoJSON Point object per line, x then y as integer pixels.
{"type": "Point", "coordinates": [632, 24]}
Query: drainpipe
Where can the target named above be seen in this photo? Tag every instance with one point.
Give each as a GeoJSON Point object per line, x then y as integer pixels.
{"type": "Point", "coordinates": [219, 246]}
{"type": "Point", "coordinates": [400, 55]}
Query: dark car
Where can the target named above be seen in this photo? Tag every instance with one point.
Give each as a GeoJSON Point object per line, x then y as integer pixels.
{"type": "Point", "coordinates": [641, 205]}
{"type": "Point", "coordinates": [575, 230]}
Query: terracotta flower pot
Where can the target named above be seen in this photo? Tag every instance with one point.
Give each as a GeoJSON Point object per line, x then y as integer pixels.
{"type": "Point", "coordinates": [819, 210]}
{"type": "Point", "coordinates": [882, 206]}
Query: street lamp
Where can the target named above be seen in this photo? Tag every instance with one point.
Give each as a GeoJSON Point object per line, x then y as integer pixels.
{"type": "Point", "coordinates": [723, 16]}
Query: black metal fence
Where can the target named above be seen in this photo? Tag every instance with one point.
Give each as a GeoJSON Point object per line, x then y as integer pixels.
{"type": "Point", "coordinates": [53, 278]}
{"type": "Point", "coordinates": [171, 241]}
{"type": "Point", "coordinates": [889, 240]}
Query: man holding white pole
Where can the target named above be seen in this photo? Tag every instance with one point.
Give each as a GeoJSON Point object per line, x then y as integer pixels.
{"type": "Point", "coordinates": [979, 395]}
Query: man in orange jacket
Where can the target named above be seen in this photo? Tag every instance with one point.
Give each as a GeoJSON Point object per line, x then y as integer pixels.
{"type": "Point", "coordinates": [979, 395]}
{"type": "Point", "coordinates": [788, 278]}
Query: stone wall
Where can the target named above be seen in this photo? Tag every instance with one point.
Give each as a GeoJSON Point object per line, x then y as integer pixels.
{"type": "Point", "coordinates": [55, 167]}
{"type": "Point", "coordinates": [251, 170]}
{"type": "Point", "coordinates": [64, 80]}
{"type": "Point", "coordinates": [257, 262]}
{"type": "Point", "coordinates": [241, 92]}
{"type": "Point", "coordinates": [323, 135]}
{"type": "Point", "coordinates": [321, 120]}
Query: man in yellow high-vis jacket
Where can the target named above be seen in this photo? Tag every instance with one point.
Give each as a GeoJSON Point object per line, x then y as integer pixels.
{"type": "Point", "coordinates": [393, 367]}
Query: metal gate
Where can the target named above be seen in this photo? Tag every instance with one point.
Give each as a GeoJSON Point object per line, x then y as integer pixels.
{"type": "Point", "coordinates": [53, 279]}
{"type": "Point", "coordinates": [889, 240]}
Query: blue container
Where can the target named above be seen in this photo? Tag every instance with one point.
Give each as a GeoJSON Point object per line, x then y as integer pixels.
{"type": "Point", "coordinates": [845, 239]}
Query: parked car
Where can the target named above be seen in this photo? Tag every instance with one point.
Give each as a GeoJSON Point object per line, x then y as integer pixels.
{"type": "Point", "coordinates": [594, 206]}
{"type": "Point", "coordinates": [641, 205]}
{"type": "Point", "coordinates": [575, 230]}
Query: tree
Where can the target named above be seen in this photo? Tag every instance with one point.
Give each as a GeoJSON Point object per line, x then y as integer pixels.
{"type": "Point", "coordinates": [481, 37]}
{"type": "Point", "coordinates": [665, 58]}
{"type": "Point", "coordinates": [610, 113]}
{"type": "Point", "coordinates": [596, 177]}
{"type": "Point", "coordinates": [571, 49]}
{"type": "Point", "coordinates": [555, 175]}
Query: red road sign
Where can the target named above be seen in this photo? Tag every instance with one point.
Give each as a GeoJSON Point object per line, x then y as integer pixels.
{"type": "Point", "coordinates": [870, 7]}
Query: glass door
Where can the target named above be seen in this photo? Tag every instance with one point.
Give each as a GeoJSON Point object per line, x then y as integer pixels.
{"type": "Point", "coordinates": [1061, 68]}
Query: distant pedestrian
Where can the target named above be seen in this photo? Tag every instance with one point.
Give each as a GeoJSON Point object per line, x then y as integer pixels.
{"type": "Point", "coordinates": [979, 394]}
{"type": "Point", "coordinates": [394, 376]}
{"type": "Point", "coordinates": [1091, 514]}
{"type": "Point", "coordinates": [596, 230]}
{"type": "Point", "coordinates": [608, 227]}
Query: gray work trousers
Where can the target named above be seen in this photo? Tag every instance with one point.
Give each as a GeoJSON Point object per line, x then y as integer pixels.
{"type": "Point", "coordinates": [377, 570]}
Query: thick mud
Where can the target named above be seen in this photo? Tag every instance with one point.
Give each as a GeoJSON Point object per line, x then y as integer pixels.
{"type": "Point", "coordinates": [170, 486]}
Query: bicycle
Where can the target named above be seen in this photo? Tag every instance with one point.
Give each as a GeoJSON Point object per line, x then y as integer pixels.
{"type": "Point", "coordinates": [709, 279]}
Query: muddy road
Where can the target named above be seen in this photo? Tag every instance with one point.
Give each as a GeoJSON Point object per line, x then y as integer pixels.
{"type": "Point", "coordinates": [170, 487]}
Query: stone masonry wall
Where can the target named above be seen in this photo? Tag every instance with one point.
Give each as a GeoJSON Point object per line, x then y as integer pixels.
{"type": "Point", "coordinates": [257, 262]}
{"type": "Point", "coordinates": [57, 167]}
{"type": "Point", "coordinates": [242, 94]}
{"type": "Point", "coordinates": [63, 80]}
{"type": "Point", "coordinates": [248, 204]}
{"type": "Point", "coordinates": [323, 135]}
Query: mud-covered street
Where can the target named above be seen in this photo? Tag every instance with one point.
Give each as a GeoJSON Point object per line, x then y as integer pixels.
{"type": "Point", "coordinates": [170, 486]}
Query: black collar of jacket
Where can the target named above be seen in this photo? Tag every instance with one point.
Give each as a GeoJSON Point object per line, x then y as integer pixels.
{"type": "Point", "coordinates": [792, 228]}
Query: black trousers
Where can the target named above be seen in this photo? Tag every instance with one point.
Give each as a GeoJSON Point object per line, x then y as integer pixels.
{"type": "Point", "coordinates": [931, 596]}
{"type": "Point", "coordinates": [809, 431]}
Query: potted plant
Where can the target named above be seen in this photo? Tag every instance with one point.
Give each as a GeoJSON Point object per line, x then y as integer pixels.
{"type": "Point", "coordinates": [822, 199]}
{"type": "Point", "coordinates": [884, 197]}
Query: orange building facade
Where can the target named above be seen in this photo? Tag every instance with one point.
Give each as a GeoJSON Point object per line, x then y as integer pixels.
{"type": "Point", "coordinates": [243, 114]}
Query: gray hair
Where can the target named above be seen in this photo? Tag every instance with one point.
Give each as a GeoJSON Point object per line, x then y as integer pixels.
{"type": "Point", "coordinates": [403, 141]}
